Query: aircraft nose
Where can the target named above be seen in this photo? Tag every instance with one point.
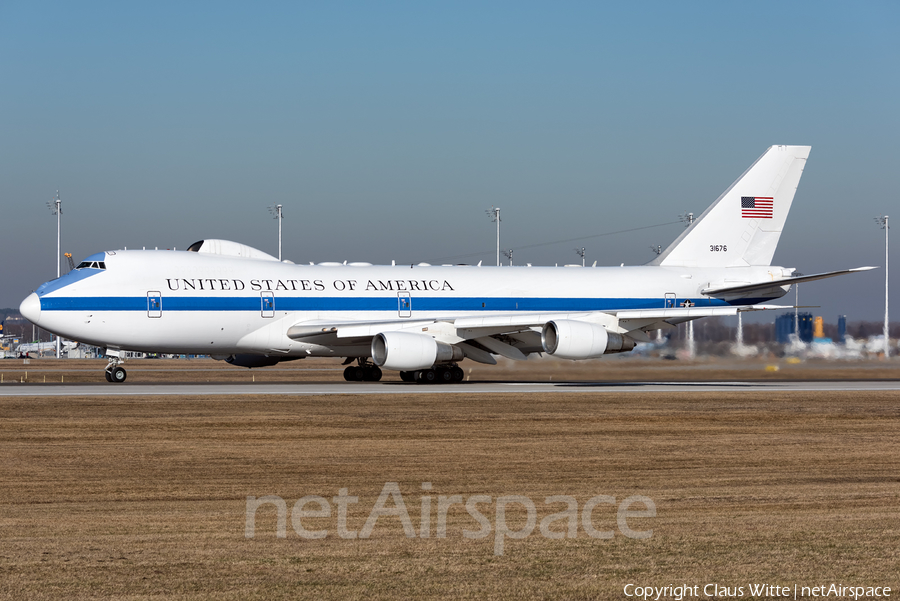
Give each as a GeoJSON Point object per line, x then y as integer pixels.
{"type": "Point", "coordinates": [31, 308]}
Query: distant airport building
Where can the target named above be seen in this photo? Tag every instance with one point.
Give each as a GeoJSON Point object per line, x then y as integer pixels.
{"type": "Point", "coordinates": [784, 327]}
{"type": "Point", "coordinates": [842, 329]}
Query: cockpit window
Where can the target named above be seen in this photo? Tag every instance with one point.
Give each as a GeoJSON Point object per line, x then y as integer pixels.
{"type": "Point", "coordinates": [195, 247]}
{"type": "Point", "coordinates": [92, 265]}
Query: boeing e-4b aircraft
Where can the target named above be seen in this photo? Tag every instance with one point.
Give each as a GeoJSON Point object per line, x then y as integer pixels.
{"type": "Point", "coordinates": [242, 305]}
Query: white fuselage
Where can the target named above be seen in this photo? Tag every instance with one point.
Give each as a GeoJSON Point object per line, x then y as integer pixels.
{"type": "Point", "coordinates": [187, 302]}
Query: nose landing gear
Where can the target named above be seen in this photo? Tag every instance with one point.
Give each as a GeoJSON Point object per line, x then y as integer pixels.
{"type": "Point", "coordinates": [114, 371]}
{"type": "Point", "coordinates": [116, 374]}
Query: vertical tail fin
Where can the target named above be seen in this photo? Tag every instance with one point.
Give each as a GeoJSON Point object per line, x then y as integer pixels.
{"type": "Point", "coordinates": [743, 225]}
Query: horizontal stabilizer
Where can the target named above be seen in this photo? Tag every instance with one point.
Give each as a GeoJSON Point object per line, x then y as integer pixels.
{"type": "Point", "coordinates": [776, 283]}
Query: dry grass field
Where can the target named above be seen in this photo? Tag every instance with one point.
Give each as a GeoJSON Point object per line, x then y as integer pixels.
{"type": "Point", "coordinates": [140, 498]}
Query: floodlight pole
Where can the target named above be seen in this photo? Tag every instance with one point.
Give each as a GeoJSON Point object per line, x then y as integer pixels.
{"type": "Point", "coordinates": [691, 345]}
{"type": "Point", "coordinates": [279, 216]}
{"type": "Point", "coordinates": [56, 209]}
{"type": "Point", "coordinates": [581, 253]}
{"type": "Point", "coordinates": [494, 212]}
{"type": "Point", "coordinates": [57, 202]}
{"type": "Point", "coordinates": [883, 221]}
{"type": "Point", "coordinates": [688, 220]}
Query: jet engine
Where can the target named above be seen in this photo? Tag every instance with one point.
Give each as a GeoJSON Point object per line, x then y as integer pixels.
{"type": "Point", "coordinates": [406, 351]}
{"type": "Point", "coordinates": [571, 339]}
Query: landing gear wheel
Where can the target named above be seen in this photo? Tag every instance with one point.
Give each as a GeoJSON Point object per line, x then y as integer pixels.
{"type": "Point", "coordinates": [426, 376]}
{"type": "Point", "coordinates": [458, 373]}
{"type": "Point", "coordinates": [108, 376]}
{"type": "Point", "coordinates": [354, 373]}
{"type": "Point", "coordinates": [373, 374]}
{"type": "Point", "coordinates": [408, 376]}
{"type": "Point", "coordinates": [117, 374]}
{"type": "Point", "coordinates": [444, 375]}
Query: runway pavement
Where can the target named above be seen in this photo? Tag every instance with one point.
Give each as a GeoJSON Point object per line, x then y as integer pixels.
{"type": "Point", "coordinates": [126, 389]}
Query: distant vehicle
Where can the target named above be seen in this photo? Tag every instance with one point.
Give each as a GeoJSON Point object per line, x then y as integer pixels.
{"type": "Point", "coordinates": [244, 306]}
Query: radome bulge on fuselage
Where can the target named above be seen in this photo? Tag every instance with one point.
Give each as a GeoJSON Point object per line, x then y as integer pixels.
{"type": "Point", "coordinates": [237, 303]}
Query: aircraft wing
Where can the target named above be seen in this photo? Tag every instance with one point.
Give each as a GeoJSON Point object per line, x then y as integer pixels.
{"type": "Point", "coordinates": [510, 335]}
{"type": "Point", "coordinates": [759, 286]}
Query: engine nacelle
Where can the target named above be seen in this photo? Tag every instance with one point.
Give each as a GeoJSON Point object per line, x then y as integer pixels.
{"type": "Point", "coordinates": [570, 339]}
{"type": "Point", "coordinates": [406, 351]}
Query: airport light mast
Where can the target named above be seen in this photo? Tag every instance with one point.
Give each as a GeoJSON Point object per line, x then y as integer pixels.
{"type": "Point", "coordinates": [494, 213]}
{"type": "Point", "coordinates": [276, 210]}
{"type": "Point", "coordinates": [580, 253]}
{"type": "Point", "coordinates": [56, 209]}
{"type": "Point", "coordinates": [687, 219]}
{"type": "Point", "coordinates": [883, 222]}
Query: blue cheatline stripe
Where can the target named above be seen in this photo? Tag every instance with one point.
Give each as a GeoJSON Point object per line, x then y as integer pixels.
{"type": "Point", "coordinates": [254, 303]}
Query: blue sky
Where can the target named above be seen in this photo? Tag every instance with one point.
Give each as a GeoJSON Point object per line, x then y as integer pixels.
{"type": "Point", "coordinates": [387, 129]}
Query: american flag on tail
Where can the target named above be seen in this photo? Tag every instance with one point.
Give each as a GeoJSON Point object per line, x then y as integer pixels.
{"type": "Point", "coordinates": [757, 207]}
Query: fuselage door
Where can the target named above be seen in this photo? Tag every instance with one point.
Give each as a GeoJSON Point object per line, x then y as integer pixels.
{"type": "Point", "coordinates": [670, 300]}
{"type": "Point", "coordinates": [154, 304]}
{"type": "Point", "coordinates": [268, 304]}
{"type": "Point", "coordinates": [404, 304]}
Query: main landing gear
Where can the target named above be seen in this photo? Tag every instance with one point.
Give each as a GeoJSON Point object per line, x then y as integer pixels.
{"type": "Point", "coordinates": [439, 374]}
{"type": "Point", "coordinates": [363, 372]}
{"type": "Point", "coordinates": [114, 371]}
